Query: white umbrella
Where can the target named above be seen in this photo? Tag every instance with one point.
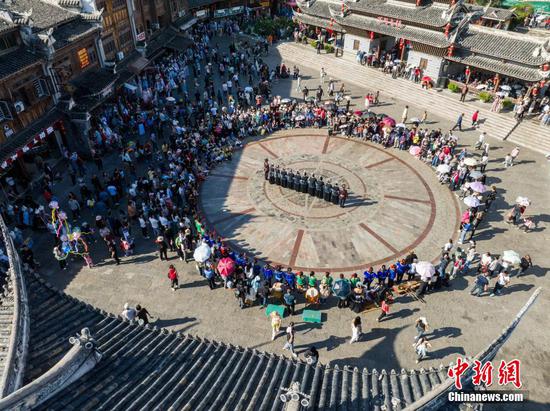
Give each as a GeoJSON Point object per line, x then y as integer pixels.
{"type": "Point", "coordinates": [481, 87]}
{"type": "Point", "coordinates": [425, 269]}
{"type": "Point", "coordinates": [170, 99]}
{"type": "Point", "coordinates": [472, 201]}
{"type": "Point", "coordinates": [285, 101]}
{"type": "Point", "coordinates": [300, 117]}
{"type": "Point", "coordinates": [476, 174]}
{"type": "Point", "coordinates": [443, 168]}
{"type": "Point", "coordinates": [202, 253]}
{"type": "Point", "coordinates": [415, 120]}
{"type": "Point", "coordinates": [511, 257]}
{"type": "Point", "coordinates": [505, 88]}
{"type": "Point", "coordinates": [470, 161]}
{"type": "Point", "coordinates": [523, 201]}
{"type": "Point", "coordinates": [248, 89]}
{"type": "Point", "coordinates": [400, 125]}
{"type": "Point", "coordinates": [501, 94]}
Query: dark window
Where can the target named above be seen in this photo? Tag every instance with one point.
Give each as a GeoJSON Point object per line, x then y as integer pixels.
{"type": "Point", "coordinates": [118, 3]}
{"type": "Point", "coordinates": [356, 44]}
{"type": "Point", "coordinates": [5, 112]}
{"type": "Point", "coordinates": [109, 46]}
{"type": "Point", "coordinates": [8, 41]}
{"type": "Point", "coordinates": [125, 37]}
{"type": "Point", "coordinates": [41, 87]}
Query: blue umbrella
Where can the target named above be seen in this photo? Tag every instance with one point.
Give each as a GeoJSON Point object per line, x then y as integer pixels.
{"type": "Point", "coordinates": [341, 288]}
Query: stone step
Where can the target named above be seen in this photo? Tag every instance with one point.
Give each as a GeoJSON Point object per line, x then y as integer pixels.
{"type": "Point", "coordinates": [498, 125]}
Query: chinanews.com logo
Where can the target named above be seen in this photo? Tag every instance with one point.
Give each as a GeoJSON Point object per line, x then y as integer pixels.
{"type": "Point", "coordinates": [508, 374]}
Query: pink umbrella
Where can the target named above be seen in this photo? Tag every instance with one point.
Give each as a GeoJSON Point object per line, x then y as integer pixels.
{"type": "Point", "coordinates": [226, 266]}
{"type": "Point", "coordinates": [478, 187]}
{"type": "Point", "coordinates": [388, 121]}
{"type": "Point", "coordinates": [415, 150]}
{"type": "Point", "coordinates": [358, 112]}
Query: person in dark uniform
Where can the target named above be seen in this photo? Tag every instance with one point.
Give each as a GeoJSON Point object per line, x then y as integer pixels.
{"type": "Point", "coordinates": [271, 174]}
{"type": "Point", "coordinates": [289, 179]}
{"type": "Point", "coordinates": [343, 196]}
{"type": "Point", "coordinates": [319, 185]}
{"type": "Point", "coordinates": [303, 183]}
{"type": "Point", "coordinates": [334, 194]}
{"type": "Point", "coordinates": [296, 181]}
{"type": "Point", "coordinates": [266, 169]}
{"type": "Point", "coordinates": [311, 185]}
{"type": "Point", "coordinates": [327, 191]}
{"type": "Point", "coordinates": [278, 176]}
{"type": "Point", "coordinates": [284, 181]}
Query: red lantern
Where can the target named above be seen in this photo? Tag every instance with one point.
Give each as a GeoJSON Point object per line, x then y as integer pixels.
{"type": "Point", "coordinates": [372, 35]}
{"type": "Point", "coordinates": [546, 67]}
{"type": "Point", "coordinates": [447, 29]}
{"type": "Point", "coordinates": [450, 50]}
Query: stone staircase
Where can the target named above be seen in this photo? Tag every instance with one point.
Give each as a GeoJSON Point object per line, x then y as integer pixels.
{"type": "Point", "coordinates": [7, 311]}
{"type": "Point", "coordinates": [528, 134]}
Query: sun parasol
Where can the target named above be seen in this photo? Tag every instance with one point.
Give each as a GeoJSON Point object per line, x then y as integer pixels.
{"type": "Point", "coordinates": [476, 174]}
{"type": "Point", "coordinates": [478, 187]}
{"type": "Point", "coordinates": [471, 201]}
{"type": "Point", "coordinates": [505, 88]}
{"type": "Point", "coordinates": [470, 161]}
{"type": "Point", "coordinates": [425, 269]}
{"type": "Point", "coordinates": [202, 253]}
{"type": "Point", "coordinates": [285, 101]}
{"type": "Point", "coordinates": [415, 150]}
{"type": "Point", "coordinates": [226, 266]}
{"type": "Point", "coordinates": [511, 257]}
{"type": "Point", "coordinates": [300, 117]}
{"type": "Point", "coordinates": [358, 112]}
{"type": "Point", "coordinates": [415, 120]}
{"type": "Point", "coordinates": [388, 121]}
{"type": "Point", "coordinates": [443, 168]}
{"type": "Point", "coordinates": [401, 125]}
{"type": "Point", "coordinates": [446, 150]}
{"type": "Point", "coordinates": [341, 288]}
{"type": "Point", "coordinates": [248, 89]}
{"type": "Point", "coordinates": [523, 201]}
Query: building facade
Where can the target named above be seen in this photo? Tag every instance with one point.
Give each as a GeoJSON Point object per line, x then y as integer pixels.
{"type": "Point", "coordinates": [442, 38]}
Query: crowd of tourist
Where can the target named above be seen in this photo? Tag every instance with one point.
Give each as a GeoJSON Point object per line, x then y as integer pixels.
{"type": "Point", "coordinates": [190, 112]}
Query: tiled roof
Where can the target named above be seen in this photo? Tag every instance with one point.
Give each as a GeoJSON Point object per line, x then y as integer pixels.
{"type": "Point", "coordinates": [146, 368]}
{"type": "Point", "coordinates": [492, 13]}
{"type": "Point", "coordinates": [25, 136]}
{"type": "Point", "coordinates": [16, 60]}
{"type": "Point", "coordinates": [493, 65]}
{"type": "Point", "coordinates": [72, 31]}
{"type": "Point", "coordinates": [502, 44]}
{"type": "Point", "coordinates": [430, 15]}
{"type": "Point", "coordinates": [316, 21]}
{"type": "Point", "coordinates": [425, 36]}
{"type": "Point", "coordinates": [93, 82]}
{"type": "Point", "coordinates": [44, 14]}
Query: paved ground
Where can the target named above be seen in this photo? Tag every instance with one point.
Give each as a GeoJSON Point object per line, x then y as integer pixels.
{"type": "Point", "coordinates": [461, 324]}
{"type": "Point", "coordinates": [396, 204]}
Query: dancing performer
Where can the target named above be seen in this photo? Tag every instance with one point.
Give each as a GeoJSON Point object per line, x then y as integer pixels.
{"type": "Point", "coordinates": [266, 169]}
{"type": "Point", "coordinates": [303, 183]}
{"type": "Point", "coordinates": [334, 194]}
{"type": "Point", "coordinates": [284, 181]}
{"type": "Point", "coordinates": [296, 181]}
{"type": "Point", "coordinates": [327, 191]}
{"type": "Point", "coordinates": [319, 185]}
{"type": "Point", "coordinates": [343, 196]}
{"type": "Point", "coordinates": [311, 185]}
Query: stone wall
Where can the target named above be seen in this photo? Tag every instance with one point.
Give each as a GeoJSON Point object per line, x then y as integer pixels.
{"type": "Point", "coordinates": [433, 68]}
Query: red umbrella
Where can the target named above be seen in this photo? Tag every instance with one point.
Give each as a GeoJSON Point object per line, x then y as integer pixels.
{"type": "Point", "coordinates": [226, 266]}
{"type": "Point", "coordinates": [358, 112]}
{"type": "Point", "coordinates": [388, 121]}
{"type": "Point", "coordinates": [427, 78]}
{"type": "Point", "coordinates": [446, 150]}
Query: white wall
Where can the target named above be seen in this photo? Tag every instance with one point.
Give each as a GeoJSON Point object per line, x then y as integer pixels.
{"type": "Point", "coordinates": [364, 43]}
{"type": "Point", "coordinates": [434, 63]}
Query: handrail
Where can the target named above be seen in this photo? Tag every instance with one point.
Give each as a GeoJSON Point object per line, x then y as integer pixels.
{"type": "Point", "coordinates": [12, 375]}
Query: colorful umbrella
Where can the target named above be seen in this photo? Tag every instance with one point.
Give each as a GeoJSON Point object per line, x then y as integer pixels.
{"type": "Point", "coordinates": [226, 267]}
{"type": "Point", "coordinates": [471, 201]}
{"type": "Point", "coordinates": [470, 161]}
{"type": "Point", "coordinates": [368, 115]}
{"type": "Point", "coordinates": [388, 121]}
{"type": "Point", "coordinates": [478, 187]}
{"type": "Point", "coordinates": [415, 120]}
{"type": "Point", "coordinates": [446, 150]}
{"type": "Point", "coordinates": [358, 112]}
{"type": "Point", "coordinates": [415, 150]}
{"type": "Point", "coordinates": [202, 253]}
{"type": "Point", "coordinates": [443, 168]}
{"type": "Point", "coordinates": [341, 288]}
{"type": "Point", "coordinates": [401, 125]}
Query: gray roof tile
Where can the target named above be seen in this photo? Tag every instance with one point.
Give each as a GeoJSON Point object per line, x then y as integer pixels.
{"type": "Point", "coordinates": [144, 368]}
{"type": "Point", "coordinates": [72, 31]}
{"type": "Point", "coordinates": [16, 60]}
{"type": "Point", "coordinates": [44, 14]}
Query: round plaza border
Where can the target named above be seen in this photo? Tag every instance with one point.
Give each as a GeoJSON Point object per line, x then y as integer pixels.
{"type": "Point", "coordinates": [362, 266]}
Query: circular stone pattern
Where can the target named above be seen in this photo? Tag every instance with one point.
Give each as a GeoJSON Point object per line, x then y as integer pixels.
{"type": "Point", "coordinates": [395, 204]}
